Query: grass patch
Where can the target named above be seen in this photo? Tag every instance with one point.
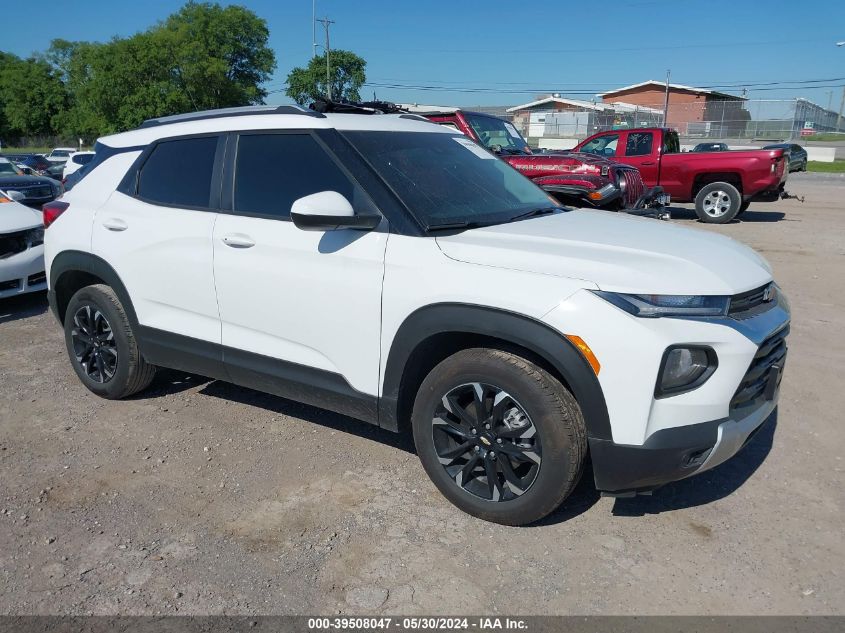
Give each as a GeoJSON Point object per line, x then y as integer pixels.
{"type": "Point", "coordinates": [25, 150]}
{"type": "Point", "coordinates": [836, 167]}
{"type": "Point", "coordinates": [824, 136]}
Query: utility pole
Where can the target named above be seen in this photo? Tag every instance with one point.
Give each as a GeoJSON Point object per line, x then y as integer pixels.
{"type": "Point", "coordinates": [666, 100]}
{"type": "Point", "coordinates": [313, 28]}
{"type": "Point", "coordinates": [326, 23]}
{"type": "Point", "coordinates": [841, 108]}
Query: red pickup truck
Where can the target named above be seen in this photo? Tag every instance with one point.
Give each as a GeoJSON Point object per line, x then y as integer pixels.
{"type": "Point", "coordinates": [579, 180]}
{"type": "Point", "coordinates": [722, 184]}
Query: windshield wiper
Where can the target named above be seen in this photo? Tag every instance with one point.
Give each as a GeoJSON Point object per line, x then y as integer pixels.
{"type": "Point", "coordinates": [453, 225]}
{"type": "Point", "coordinates": [534, 212]}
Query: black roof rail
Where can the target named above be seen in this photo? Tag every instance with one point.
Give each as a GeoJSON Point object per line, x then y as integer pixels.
{"type": "Point", "coordinates": [229, 112]}
{"type": "Point", "coordinates": [354, 107]}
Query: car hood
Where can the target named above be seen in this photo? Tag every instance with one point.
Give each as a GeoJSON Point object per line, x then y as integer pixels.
{"type": "Point", "coordinates": [616, 252]}
{"type": "Point", "coordinates": [17, 217]}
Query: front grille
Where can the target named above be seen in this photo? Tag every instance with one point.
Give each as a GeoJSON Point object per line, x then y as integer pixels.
{"type": "Point", "coordinates": [13, 243]}
{"type": "Point", "coordinates": [771, 353]}
{"type": "Point", "coordinates": [34, 193]}
{"type": "Point", "coordinates": [753, 302]}
{"type": "Point", "coordinates": [633, 186]}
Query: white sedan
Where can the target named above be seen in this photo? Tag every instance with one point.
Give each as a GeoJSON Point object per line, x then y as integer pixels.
{"type": "Point", "coordinates": [21, 247]}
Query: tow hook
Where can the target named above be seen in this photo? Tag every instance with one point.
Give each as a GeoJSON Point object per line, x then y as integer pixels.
{"type": "Point", "coordinates": [785, 195]}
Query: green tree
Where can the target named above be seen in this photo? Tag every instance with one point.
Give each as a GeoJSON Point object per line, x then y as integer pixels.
{"type": "Point", "coordinates": [347, 75]}
{"type": "Point", "coordinates": [32, 95]}
{"type": "Point", "coordinates": [202, 57]}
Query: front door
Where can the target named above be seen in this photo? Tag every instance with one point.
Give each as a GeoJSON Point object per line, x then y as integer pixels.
{"type": "Point", "coordinates": [640, 152]}
{"type": "Point", "coordinates": [300, 310]}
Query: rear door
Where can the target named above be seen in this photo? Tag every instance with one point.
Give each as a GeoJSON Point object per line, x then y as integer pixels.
{"type": "Point", "coordinates": [300, 310]}
{"type": "Point", "coordinates": [156, 233]}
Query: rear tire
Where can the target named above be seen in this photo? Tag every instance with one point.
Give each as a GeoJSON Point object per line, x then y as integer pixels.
{"type": "Point", "coordinates": [717, 203]}
{"type": "Point", "coordinates": [101, 345]}
{"type": "Point", "coordinates": [526, 462]}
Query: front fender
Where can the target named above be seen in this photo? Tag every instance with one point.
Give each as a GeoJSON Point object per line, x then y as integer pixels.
{"type": "Point", "coordinates": [509, 327]}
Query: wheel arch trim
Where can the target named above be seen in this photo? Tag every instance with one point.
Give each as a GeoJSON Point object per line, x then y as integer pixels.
{"type": "Point", "coordinates": [68, 262]}
{"type": "Point", "coordinates": [510, 327]}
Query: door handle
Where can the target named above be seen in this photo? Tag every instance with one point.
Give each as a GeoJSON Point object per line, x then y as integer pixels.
{"type": "Point", "coordinates": [238, 240]}
{"type": "Point", "coordinates": [115, 224]}
{"type": "Point", "coordinates": [648, 163]}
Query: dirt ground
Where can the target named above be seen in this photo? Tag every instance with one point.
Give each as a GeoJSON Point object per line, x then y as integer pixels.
{"type": "Point", "coordinates": [199, 497]}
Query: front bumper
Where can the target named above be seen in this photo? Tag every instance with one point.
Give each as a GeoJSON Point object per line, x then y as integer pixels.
{"type": "Point", "coordinates": [672, 454]}
{"type": "Point", "coordinates": [652, 201]}
{"type": "Point", "coordinates": [23, 272]}
{"type": "Point", "coordinates": [655, 440]}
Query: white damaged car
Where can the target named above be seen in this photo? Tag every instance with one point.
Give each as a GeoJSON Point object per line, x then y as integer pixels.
{"type": "Point", "coordinates": [21, 247]}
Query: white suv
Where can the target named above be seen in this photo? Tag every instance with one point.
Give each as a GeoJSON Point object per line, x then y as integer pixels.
{"type": "Point", "coordinates": [390, 269]}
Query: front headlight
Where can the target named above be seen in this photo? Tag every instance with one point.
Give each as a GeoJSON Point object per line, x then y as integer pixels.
{"type": "Point", "coordinates": [35, 237]}
{"type": "Point", "coordinates": [667, 305]}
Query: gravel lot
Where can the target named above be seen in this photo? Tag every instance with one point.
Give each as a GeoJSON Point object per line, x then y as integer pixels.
{"type": "Point", "coordinates": [200, 497]}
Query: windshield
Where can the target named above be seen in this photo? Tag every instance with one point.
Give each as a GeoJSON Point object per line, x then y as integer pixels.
{"type": "Point", "coordinates": [9, 168]}
{"type": "Point", "coordinates": [492, 131]}
{"type": "Point", "coordinates": [60, 153]}
{"type": "Point", "coordinates": [445, 179]}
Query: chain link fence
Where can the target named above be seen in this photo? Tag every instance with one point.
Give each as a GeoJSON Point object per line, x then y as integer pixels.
{"type": "Point", "coordinates": [753, 120]}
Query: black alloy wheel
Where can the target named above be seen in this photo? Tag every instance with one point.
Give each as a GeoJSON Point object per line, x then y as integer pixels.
{"type": "Point", "coordinates": [94, 346]}
{"type": "Point", "coordinates": [486, 442]}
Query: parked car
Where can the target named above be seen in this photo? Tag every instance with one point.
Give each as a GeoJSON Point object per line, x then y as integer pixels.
{"type": "Point", "coordinates": [60, 154]}
{"type": "Point", "coordinates": [710, 147]}
{"type": "Point", "coordinates": [36, 190]}
{"type": "Point", "coordinates": [75, 161]}
{"type": "Point", "coordinates": [722, 184]}
{"type": "Point", "coordinates": [396, 272]}
{"type": "Point", "coordinates": [797, 155]}
{"type": "Point", "coordinates": [21, 247]}
{"type": "Point", "coordinates": [573, 179]}
{"type": "Point", "coordinates": [30, 164]}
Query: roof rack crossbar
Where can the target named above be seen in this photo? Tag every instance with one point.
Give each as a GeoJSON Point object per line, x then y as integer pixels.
{"type": "Point", "coordinates": [229, 112]}
{"type": "Point", "coordinates": [354, 107]}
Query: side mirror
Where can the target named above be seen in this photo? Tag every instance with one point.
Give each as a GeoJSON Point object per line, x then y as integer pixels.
{"type": "Point", "coordinates": [329, 211]}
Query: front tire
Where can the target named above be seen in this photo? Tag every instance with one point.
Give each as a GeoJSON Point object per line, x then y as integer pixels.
{"type": "Point", "coordinates": [499, 436]}
{"type": "Point", "coordinates": [717, 203]}
{"type": "Point", "coordinates": [101, 345]}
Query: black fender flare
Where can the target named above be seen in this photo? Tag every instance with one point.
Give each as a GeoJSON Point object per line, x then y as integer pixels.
{"type": "Point", "coordinates": [68, 262]}
{"type": "Point", "coordinates": [516, 329]}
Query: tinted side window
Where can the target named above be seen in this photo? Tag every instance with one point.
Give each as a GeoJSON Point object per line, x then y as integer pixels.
{"type": "Point", "coordinates": [638, 144]}
{"type": "Point", "coordinates": [273, 170]}
{"type": "Point", "coordinates": [179, 172]}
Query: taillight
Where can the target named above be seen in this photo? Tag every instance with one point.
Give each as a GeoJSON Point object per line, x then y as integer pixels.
{"type": "Point", "coordinates": [52, 210]}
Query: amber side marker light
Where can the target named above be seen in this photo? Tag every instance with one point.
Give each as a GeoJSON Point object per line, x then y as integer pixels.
{"type": "Point", "coordinates": [585, 350]}
{"type": "Point", "coordinates": [593, 195]}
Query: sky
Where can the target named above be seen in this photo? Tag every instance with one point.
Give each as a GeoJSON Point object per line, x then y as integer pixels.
{"type": "Point", "coordinates": [487, 52]}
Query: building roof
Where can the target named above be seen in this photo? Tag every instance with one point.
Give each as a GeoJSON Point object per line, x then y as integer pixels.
{"type": "Point", "coordinates": [662, 84]}
{"type": "Point", "coordinates": [589, 105]}
{"type": "Point", "coordinates": [617, 106]}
